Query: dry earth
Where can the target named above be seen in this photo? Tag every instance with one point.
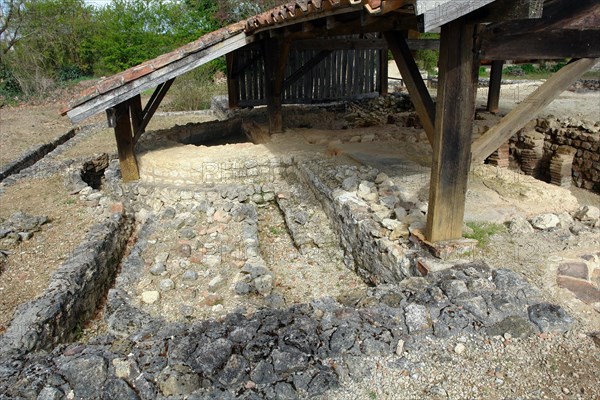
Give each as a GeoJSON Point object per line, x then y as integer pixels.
{"type": "Point", "coordinates": [538, 367]}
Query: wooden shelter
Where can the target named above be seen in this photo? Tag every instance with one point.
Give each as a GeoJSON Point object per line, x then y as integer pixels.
{"type": "Point", "coordinates": [271, 56]}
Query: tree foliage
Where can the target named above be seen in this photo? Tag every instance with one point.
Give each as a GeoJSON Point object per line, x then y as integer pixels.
{"type": "Point", "coordinates": [45, 42]}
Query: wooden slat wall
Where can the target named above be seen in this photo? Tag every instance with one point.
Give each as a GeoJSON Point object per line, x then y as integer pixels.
{"type": "Point", "coordinates": [342, 75]}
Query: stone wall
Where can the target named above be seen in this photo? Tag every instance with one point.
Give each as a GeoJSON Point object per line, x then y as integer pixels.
{"type": "Point", "coordinates": [546, 149]}
{"type": "Point", "coordinates": [73, 294]}
{"type": "Point", "coordinates": [34, 154]}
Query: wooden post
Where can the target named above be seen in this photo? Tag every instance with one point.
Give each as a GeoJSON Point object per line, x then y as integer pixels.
{"type": "Point", "coordinates": [124, 137]}
{"type": "Point", "coordinates": [453, 129]}
{"type": "Point", "coordinates": [494, 88]}
{"type": "Point", "coordinates": [233, 92]}
{"type": "Point", "coordinates": [275, 53]}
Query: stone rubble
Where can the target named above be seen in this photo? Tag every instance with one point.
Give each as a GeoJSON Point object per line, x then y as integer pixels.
{"type": "Point", "coordinates": [296, 352]}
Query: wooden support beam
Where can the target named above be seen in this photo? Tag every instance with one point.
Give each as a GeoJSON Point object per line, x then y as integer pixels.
{"type": "Point", "coordinates": [275, 53]}
{"type": "Point", "coordinates": [137, 114]}
{"type": "Point", "coordinates": [414, 82]}
{"type": "Point", "coordinates": [529, 108]}
{"type": "Point", "coordinates": [553, 44]}
{"type": "Point", "coordinates": [125, 145]}
{"type": "Point", "coordinates": [151, 107]}
{"type": "Point", "coordinates": [453, 130]}
{"type": "Point", "coordinates": [423, 44]}
{"type": "Point", "coordinates": [508, 10]}
{"type": "Point", "coordinates": [494, 87]}
{"type": "Point", "coordinates": [338, 44]}
{"type": "Point", "coordinates": [310, 64]}
{"type": "Point", "coordinates": [233, 92]}
{"type": "Point", "coordinates": [382, 72]}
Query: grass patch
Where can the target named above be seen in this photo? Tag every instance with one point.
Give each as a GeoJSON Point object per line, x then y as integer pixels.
{"type": "Point", "coordinates": [483, 231]}
{"type": "Point", "coordinates": [275, 231]}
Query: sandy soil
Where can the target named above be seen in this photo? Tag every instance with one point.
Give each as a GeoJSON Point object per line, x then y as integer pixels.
{"type": "Point", "coordinates": [31, 263]}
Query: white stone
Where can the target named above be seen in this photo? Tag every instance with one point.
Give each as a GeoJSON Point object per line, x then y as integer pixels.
{"type": "Point", "coordinates": [459, 348]}
{"type": "Point", "coordinates": [545, 221]}
{"type": "Point", "coordinates": [391, 224]}
{"type": "Point", "coordinates": [150, 297]}
{"type": "Point", "coordinates": [400, 348]}
{"type": "Point", "coordinates": [121, 368]}
{"type": "Point", "coordinates": [382, 177]}
{"type": "Point", "coordinates": [216, 283]}
{"type": "Point", "coordinates": [366, 187]}
{"type": "Point", "coordinates": [264, 284]}
{"type": "Point", "coordinates": [520, 226]}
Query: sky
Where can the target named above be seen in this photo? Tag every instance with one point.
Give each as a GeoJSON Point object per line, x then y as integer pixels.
{"type": "Point", "coordinates": [99, 3]}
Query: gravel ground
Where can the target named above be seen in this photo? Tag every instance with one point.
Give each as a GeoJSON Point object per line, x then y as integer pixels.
{"type": "Point", "coordinates": [539, 367]}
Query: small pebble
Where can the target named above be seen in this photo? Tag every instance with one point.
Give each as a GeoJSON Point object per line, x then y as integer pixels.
{"type": "Point", "coordinates": [566, 390]}
{"type": "Point", "coordinates": [185, 250]}
{"type": "Point", "coordinates": [166, 284]}
{"type": "Point", "coordinates": [459, 348]}
{"type": "Point", "coordinates": [150, 297]}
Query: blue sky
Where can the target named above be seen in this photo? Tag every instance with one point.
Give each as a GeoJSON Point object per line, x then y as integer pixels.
{"type": "Point", "coordinates": [98, 2]}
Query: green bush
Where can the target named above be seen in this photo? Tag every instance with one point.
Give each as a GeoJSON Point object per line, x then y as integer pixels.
{"type": "Point", "coordinates": [195, 90]}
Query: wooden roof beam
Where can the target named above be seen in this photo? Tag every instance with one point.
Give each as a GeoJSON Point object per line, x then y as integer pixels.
{"type": "Point", "coordinates": [557, 43]}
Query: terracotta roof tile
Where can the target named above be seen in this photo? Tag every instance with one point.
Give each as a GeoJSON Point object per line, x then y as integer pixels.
{"type": "Point", "coordinates": [279, 15]}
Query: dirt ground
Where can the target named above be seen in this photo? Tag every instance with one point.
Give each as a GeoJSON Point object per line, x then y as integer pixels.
{"type": "Point", "coordinates": [31, 263]}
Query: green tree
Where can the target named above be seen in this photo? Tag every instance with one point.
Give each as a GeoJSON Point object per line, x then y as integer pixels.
{"type": "Point", "coordinates": [45, 45]}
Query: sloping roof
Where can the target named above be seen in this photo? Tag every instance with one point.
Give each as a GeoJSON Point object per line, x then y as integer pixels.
{"type": "Point", "coordinates": [125, 85]}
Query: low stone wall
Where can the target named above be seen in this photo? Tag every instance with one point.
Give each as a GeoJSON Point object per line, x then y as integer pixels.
{"type": "Point", "coordinates": [74, 292]}
{"type": "Point", "coordinates": [538, 146]}
{"type": "Point", "coordinates": [34, 155]}
{"type": "Point", "coordinates": [375, 241]}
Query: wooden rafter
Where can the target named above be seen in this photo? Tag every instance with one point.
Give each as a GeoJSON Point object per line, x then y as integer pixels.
{"type": "Point", "coordinates": [529, 108]}
{"type": "Point", "coordinates": [151, 107]}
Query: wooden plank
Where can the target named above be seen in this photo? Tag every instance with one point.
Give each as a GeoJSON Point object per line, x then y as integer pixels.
{"type": "Point", "coordinates": [137, 113]}
{"type": "Point", "coordinates": [558, 43]}
{"type": "Point", "coordinates": [453, 129]}
{"type": "Point", "coordinates": [494, 87]}
{"type": "Point", "coordinates": [423, 44]}
{"type": "Point", "coordinates": [312, 63]}
{"type": "Point", "coordinates": [344, 86]}
{"type": "Point", "coordinates": [124, 137]}
{"type": "Point", "coordinates": [529, 108]}
{"type": "Point", "coordinates": [233, 89]}
{"type": "Point", "coordinates": [131, 89]}
{"type": "Point", "coordinates": [558, 14]}
{"type": "Point", "coordinates": [434, 13]}
{"type": "Point", "coordinates": [382, 72]}
{"type": "Point", "coordinates": [338, 44]}
{"type": "Point", "coordinates": [507, 10]}
{"type": "Point", "coordinates": [417, 89]}
{"type": "Point", "coordinates": [243, 80]}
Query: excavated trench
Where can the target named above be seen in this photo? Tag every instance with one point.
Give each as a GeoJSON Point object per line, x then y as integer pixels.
{"type": "Point", "coordinates": [266, 275]}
